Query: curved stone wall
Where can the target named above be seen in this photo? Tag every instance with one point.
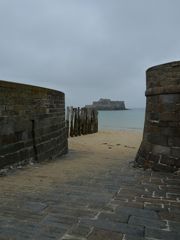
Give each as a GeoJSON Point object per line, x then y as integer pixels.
{"type": "Point", "coordinates": [32, 123]}
{"type": "Point", "coordinates": [160, 148]}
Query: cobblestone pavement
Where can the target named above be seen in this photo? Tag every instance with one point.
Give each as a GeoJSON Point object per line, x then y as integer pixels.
{"type": "Point", "coordinates": [119, 203]}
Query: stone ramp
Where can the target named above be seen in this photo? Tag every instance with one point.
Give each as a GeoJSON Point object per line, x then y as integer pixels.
{"type": "Point", "coordinates": [116, 204]}
{"type": "Point", "coordinates": [91, 193]}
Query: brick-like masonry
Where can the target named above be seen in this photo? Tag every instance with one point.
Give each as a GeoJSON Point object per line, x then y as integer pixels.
{"type": "Point", "coordinates": [160, 148]}
{"type": "Point", "coordinates": [32, 121]}
{"type": "Point", "coordinates": [117, 204]}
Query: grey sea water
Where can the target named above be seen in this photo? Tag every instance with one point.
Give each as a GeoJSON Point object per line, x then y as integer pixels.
{"type": "Point", "coordinates": [118, 120]}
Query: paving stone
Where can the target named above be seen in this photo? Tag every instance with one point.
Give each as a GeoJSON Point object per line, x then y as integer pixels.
{"type": "Point", "coordinates": [174, 209]}
{"type": "Point", "coordinates": [34, 206]}
{"type": "Point", "coordinates": [110, 207]}
{"type": "Point", "coordinates": [114, 227]}
{"type": "Point", "coordinates": [161, 234]}
{"type": "Point", "coordinates": [170, 181]}
{"type": "Point", "coordinates": [66, 220]}
{"type": "Point", "coordinates": [80, 231]}
{"type": "Point", "coordinates": [132, 237]}
{"type": "Point", "coordinates": [156, 180]}
{"type": "Point", "coordinates": [70, 211]}
{"type": "Point", "coordinates": [131, 203]}
{"type": "Point", "coordinates": [174, 226]}
{"type": "Point", "coordinates": [155, 207]}
{"type": "Point", "coordinates": [54, 231]}
{"type": "Point", "coordinates": [138, 212]}
{"type": "Point", "coordinates": [13, 233]}
{"type": "Point", "coordinates": [76, 208]}
{"type": "Point", "coordinates": [21, 215]}
{"type": "Point", "coordinates": [172, 216]}
{"type": "Point", "coordinates": [97, 205]}
{"type": "Point", "coordinates": [70, 237]}
{"type": "Point", "coordinates": [47, 236]}
{"type": "Point", "coordinates": [99, 234]}
{"type": "Point", "coordinates": [67, 204]}
{"type": "Point", "coordinates": [175, 204]}
{"type": "Point", "coordinates": [124, 199]}
{"type": "Point", "coordinates": [123, 217]}
{"type": "Point", "coordinates": [54, 221]}
{"type": "Point", "coordinates": [157, 224]}
{"type": "Point", "coordinates": [132, 192]}
{"type": "Point", "coordinates": [153, 200]}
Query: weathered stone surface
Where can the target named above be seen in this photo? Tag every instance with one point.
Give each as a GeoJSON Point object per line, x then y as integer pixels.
{"type": "Point", "coordinates": [114, 226]}
{"type": "Point", "coordinates": [64, 211]}
{"type": "Point", "coordinates": [144, 213]}
{"type": "Point", "coordinates": [120, 217]}
{"type": "Point", "coordinates": [53, 201]}
{"type": "Point", "coordinates": [32, 123]}
{"type": "Point", "coordinates": [161, 140]}
{"type": "Point", "coordinates": [99, 234]}
{"type": "Point", "coordinates": [151, 233]}
{"type": "Point", "coordinates": [146, 222]}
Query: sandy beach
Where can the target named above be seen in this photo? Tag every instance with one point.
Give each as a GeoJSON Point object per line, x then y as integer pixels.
{"type": "Point", "coordinates": [87, 155]}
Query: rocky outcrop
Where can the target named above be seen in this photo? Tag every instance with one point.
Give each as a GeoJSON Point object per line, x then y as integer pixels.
{"type": "Point", "coordinates": [107, 104]}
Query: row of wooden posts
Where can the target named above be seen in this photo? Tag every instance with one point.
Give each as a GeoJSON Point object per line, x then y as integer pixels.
{"type": "Point", "coordinates": [81, 121]}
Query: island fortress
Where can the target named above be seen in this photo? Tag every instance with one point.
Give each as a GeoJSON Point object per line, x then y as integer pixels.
{"type": "Point", "coordinates": [107, 104]}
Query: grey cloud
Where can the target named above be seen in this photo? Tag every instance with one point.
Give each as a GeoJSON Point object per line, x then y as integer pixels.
{"type": "Point", "coordinates": [88, 49]}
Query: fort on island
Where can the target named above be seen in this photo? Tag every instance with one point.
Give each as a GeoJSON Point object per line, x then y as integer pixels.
{"type": "Point", "coordinates": [107, 104]}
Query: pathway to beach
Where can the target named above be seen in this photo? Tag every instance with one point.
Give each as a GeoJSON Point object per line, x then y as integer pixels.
{"type": "Point", "coordinates": [92, 193]}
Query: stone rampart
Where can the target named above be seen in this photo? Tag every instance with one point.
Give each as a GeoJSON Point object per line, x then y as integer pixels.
{"type": "Point", "coordinates": [160, 148]}
{"type": "Point", "coordinates": [32, 121]}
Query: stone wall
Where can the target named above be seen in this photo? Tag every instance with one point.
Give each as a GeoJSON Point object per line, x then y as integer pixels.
{"type": "Point", "coordinates": [32, 123]}
{"type": "Point", "coordinates": [160, 148]}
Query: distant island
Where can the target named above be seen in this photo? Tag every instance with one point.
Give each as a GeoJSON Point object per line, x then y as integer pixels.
{"type": "Point", "coordinates": [107, 104]}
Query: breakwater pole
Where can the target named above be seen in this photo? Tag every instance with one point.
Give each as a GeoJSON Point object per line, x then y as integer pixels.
{"type": "Point", "coordinates": [81, 121]}
{"type": "Point", "coordinates": [160, 147]}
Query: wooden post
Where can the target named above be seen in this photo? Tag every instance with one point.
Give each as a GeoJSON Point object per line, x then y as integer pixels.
{"type": "Point", "coordinates": [92, 120]}
{"type": "Point", "coordinates": [67, 121]}
{"type": "Point", "coordinates": [82, 121]}
{"type": "Point", "coordinates": [72, 122]}
{"type": "Point", "coordinates": [79, 121]}
{"type": "Point", "coordinates": [75, 122]}
{"type": "Point", "coordinates": [89, 120]}
{"type": "Point", "coordinates": [86, 120]}
{"type": "Point", "coordinates": [96, 120]}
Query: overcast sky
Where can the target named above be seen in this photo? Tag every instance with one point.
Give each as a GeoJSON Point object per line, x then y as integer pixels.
{"type": "Point", "coordinates": [88, 49]}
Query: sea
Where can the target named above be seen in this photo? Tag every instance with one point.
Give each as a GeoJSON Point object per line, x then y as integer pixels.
{"type": "Point", "coordinates": [131, 119]}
